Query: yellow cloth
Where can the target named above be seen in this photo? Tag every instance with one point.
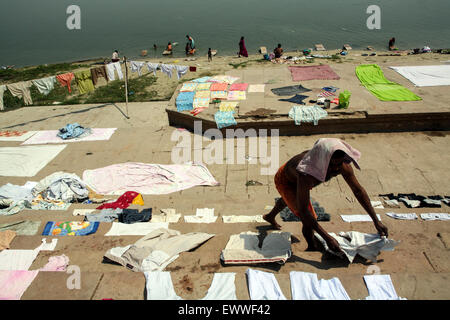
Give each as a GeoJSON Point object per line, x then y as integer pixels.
{"type": "Point", "coordinates": [84, 81]}
{"type": "Point", "coordinates": [138, 200]}
{"type": "Point", "coordinates": [202, 94]}
{"type": "Point", "coordinates": [227, 106]}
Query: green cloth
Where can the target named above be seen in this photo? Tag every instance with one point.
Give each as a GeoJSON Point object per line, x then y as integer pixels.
{"type": "Point", "coordinates": [84, 81]}
{"type": "Point", "coordinates": [373, 79]}
{"type": "Point", "coordinates": [22, 228]}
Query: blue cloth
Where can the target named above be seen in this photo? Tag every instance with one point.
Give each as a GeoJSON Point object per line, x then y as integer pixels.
{"type": "Point", "coordinates": [185, 101]}
{"type": "Point", "coordinates": [80, 228]}
{"type": "Point", "coordinates": [201, 80]}
{"type": "Point", "coordinates": [224, 119]}
{"type": "Point", "coordinates": [70, 131]}
{"type": "Point", "coordinates": [307, 114]}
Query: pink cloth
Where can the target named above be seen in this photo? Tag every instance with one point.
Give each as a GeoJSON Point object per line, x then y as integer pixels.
{"type": "Point", "coordinates": [239, 87]}
{"type": "Point", "coordinates": [56, 263]}
{"type": "Point", "coordinates": [14, 283]}
{"type": "Point", "coordinates": [323, 72]}
{"type": "Point", "coordinates": [316, 161]}
{"type": "Point", "coordinates": [146, 178]}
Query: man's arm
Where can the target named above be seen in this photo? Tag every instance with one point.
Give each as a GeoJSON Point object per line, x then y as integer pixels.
{"type": "Point", "coordinates": [361, 194]}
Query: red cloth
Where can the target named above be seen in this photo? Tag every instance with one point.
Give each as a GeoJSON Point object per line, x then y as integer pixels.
{"type": "Point", "coordinates": [123, 202]}
{"type": "Point", "coordinates": [65, 80]}
{"type": "Point", "coordinates": [323, 72]}
{"type": "Point", "coordinates": [219, 86]}
{"type": "Point", "coordinates": [239, 87]}
{"type": "Point", "coordinates": [242, 49]}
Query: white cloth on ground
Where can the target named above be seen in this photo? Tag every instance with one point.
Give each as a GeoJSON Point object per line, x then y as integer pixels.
{"type": "Point", "coordinates": [424, 76]}
{"type": "Point", "coordinates": [160, 287]}
{"type": "Point", "coordinates": [157, 249]}
{"type": "Point", "coordinates": [135, 229]}
{"type": "Point", "coordinates": [402, 216]}
{"type": "Point", "coordinates": [377, 204]}
{"type": "Point", "coordinates": [62, 186]}
{"type": "Point", "coordinates": [241, 219]}
{"type": "Point", "coordinates": [26, 161]}
{"type": "Point", "coordinates": [21, 259]}
{"type": "Point", "coordinates": [167, 215]}
{"type": "Point", "coordinates": [435, 216]}
{"type": "Point", "coordinates": [152, 67]}
{"type": "Point", "coordinates": [244, 248]}
{"type": "Point", "coordinates": [392, 203]}
{"type": "Point", "coordinates": [358, 217]}
{"type": "Point", "coordinates": [45, 85]}
{"type": "Point", "coordinates": [110, 67]}
{"type": "Point", "coordinates": [17, 193]}
{"type": "Point", "coordinates": [82, 212]}
{"type": "Point", "coordinates": [380, 287]}
{"type": "Point", "coordinates": [306, 286]}
{"type": "Point", "coordinates": [263, 286]}
{"type": "Point", "coordinates": [48, 246]}
{"type": "Point", "coordinates": [354, 243]}
{"type": "Point", "coordinates": [205, 215]}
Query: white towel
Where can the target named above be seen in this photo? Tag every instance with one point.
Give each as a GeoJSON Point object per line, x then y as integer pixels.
{"type": "Point", "coordinates": [380, 287]}
{"type": "Point", "coordinates": [435, 216]}
{"type": "Point", "coordinates": [402, 216]}
{"type": "Point", "coordinates": [263, 286]}
{"type": "Point", "coordinates": [242, 219]}
{"type": "Point", "coordinates": [306, 286]}
{"type": "Point", "coordinates": [205, 215]}
{"type": "Point", "coordinates": [160, 287]}
{"type": "Point", "coordinates": [358, 217]}
{"type": "Point", "coordinates": [135, 229]}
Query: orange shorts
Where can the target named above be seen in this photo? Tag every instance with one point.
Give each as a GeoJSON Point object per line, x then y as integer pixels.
{"type": "Point", "coordinates": [289, 192]}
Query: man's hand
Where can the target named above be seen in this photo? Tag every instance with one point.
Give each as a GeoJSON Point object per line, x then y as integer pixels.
{"type": "Point", "coordinates": [333, 245]}
{"type": "Point", "coordinates": [381, 228]}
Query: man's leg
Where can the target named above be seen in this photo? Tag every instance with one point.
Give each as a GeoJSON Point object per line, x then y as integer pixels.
{"type": "Point", "coordinates": [270, 217]}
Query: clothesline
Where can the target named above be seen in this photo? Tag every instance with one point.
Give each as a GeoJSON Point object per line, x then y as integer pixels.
{"type": "Point", "coordinates": [86, 80]}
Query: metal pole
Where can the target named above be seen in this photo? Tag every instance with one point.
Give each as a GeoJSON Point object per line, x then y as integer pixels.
{"type": "Point", "coordinates": [126, 85]}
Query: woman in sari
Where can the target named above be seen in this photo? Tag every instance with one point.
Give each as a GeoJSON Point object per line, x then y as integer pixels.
{"type": "Point", "coordinates": [242, 49]}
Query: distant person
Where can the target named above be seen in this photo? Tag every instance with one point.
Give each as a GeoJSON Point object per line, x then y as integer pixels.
{"type": "Point", "coordinates": [115, 56]}
{"type": "Point", "coordinates": [278, 51]}
{"type": "Point", "coordinates": [242, 49]}
{"type": "Point", "coordinates": [188, 48]}
{"type": "Point", "coordinates": [209, 55]}
{"type": "Point", "coordinates": [169, 47]}
{"type": "Point", "coordinates": [191, 41]}
{"type": "Point", "coordinates": [392, 44]}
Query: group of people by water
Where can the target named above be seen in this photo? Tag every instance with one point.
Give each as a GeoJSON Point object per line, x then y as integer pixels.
{"type": "Point", "coordinates": [190, 49]}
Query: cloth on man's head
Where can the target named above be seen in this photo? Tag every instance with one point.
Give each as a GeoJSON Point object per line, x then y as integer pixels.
{"type": "Point", "coordinates": [316, 161]}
